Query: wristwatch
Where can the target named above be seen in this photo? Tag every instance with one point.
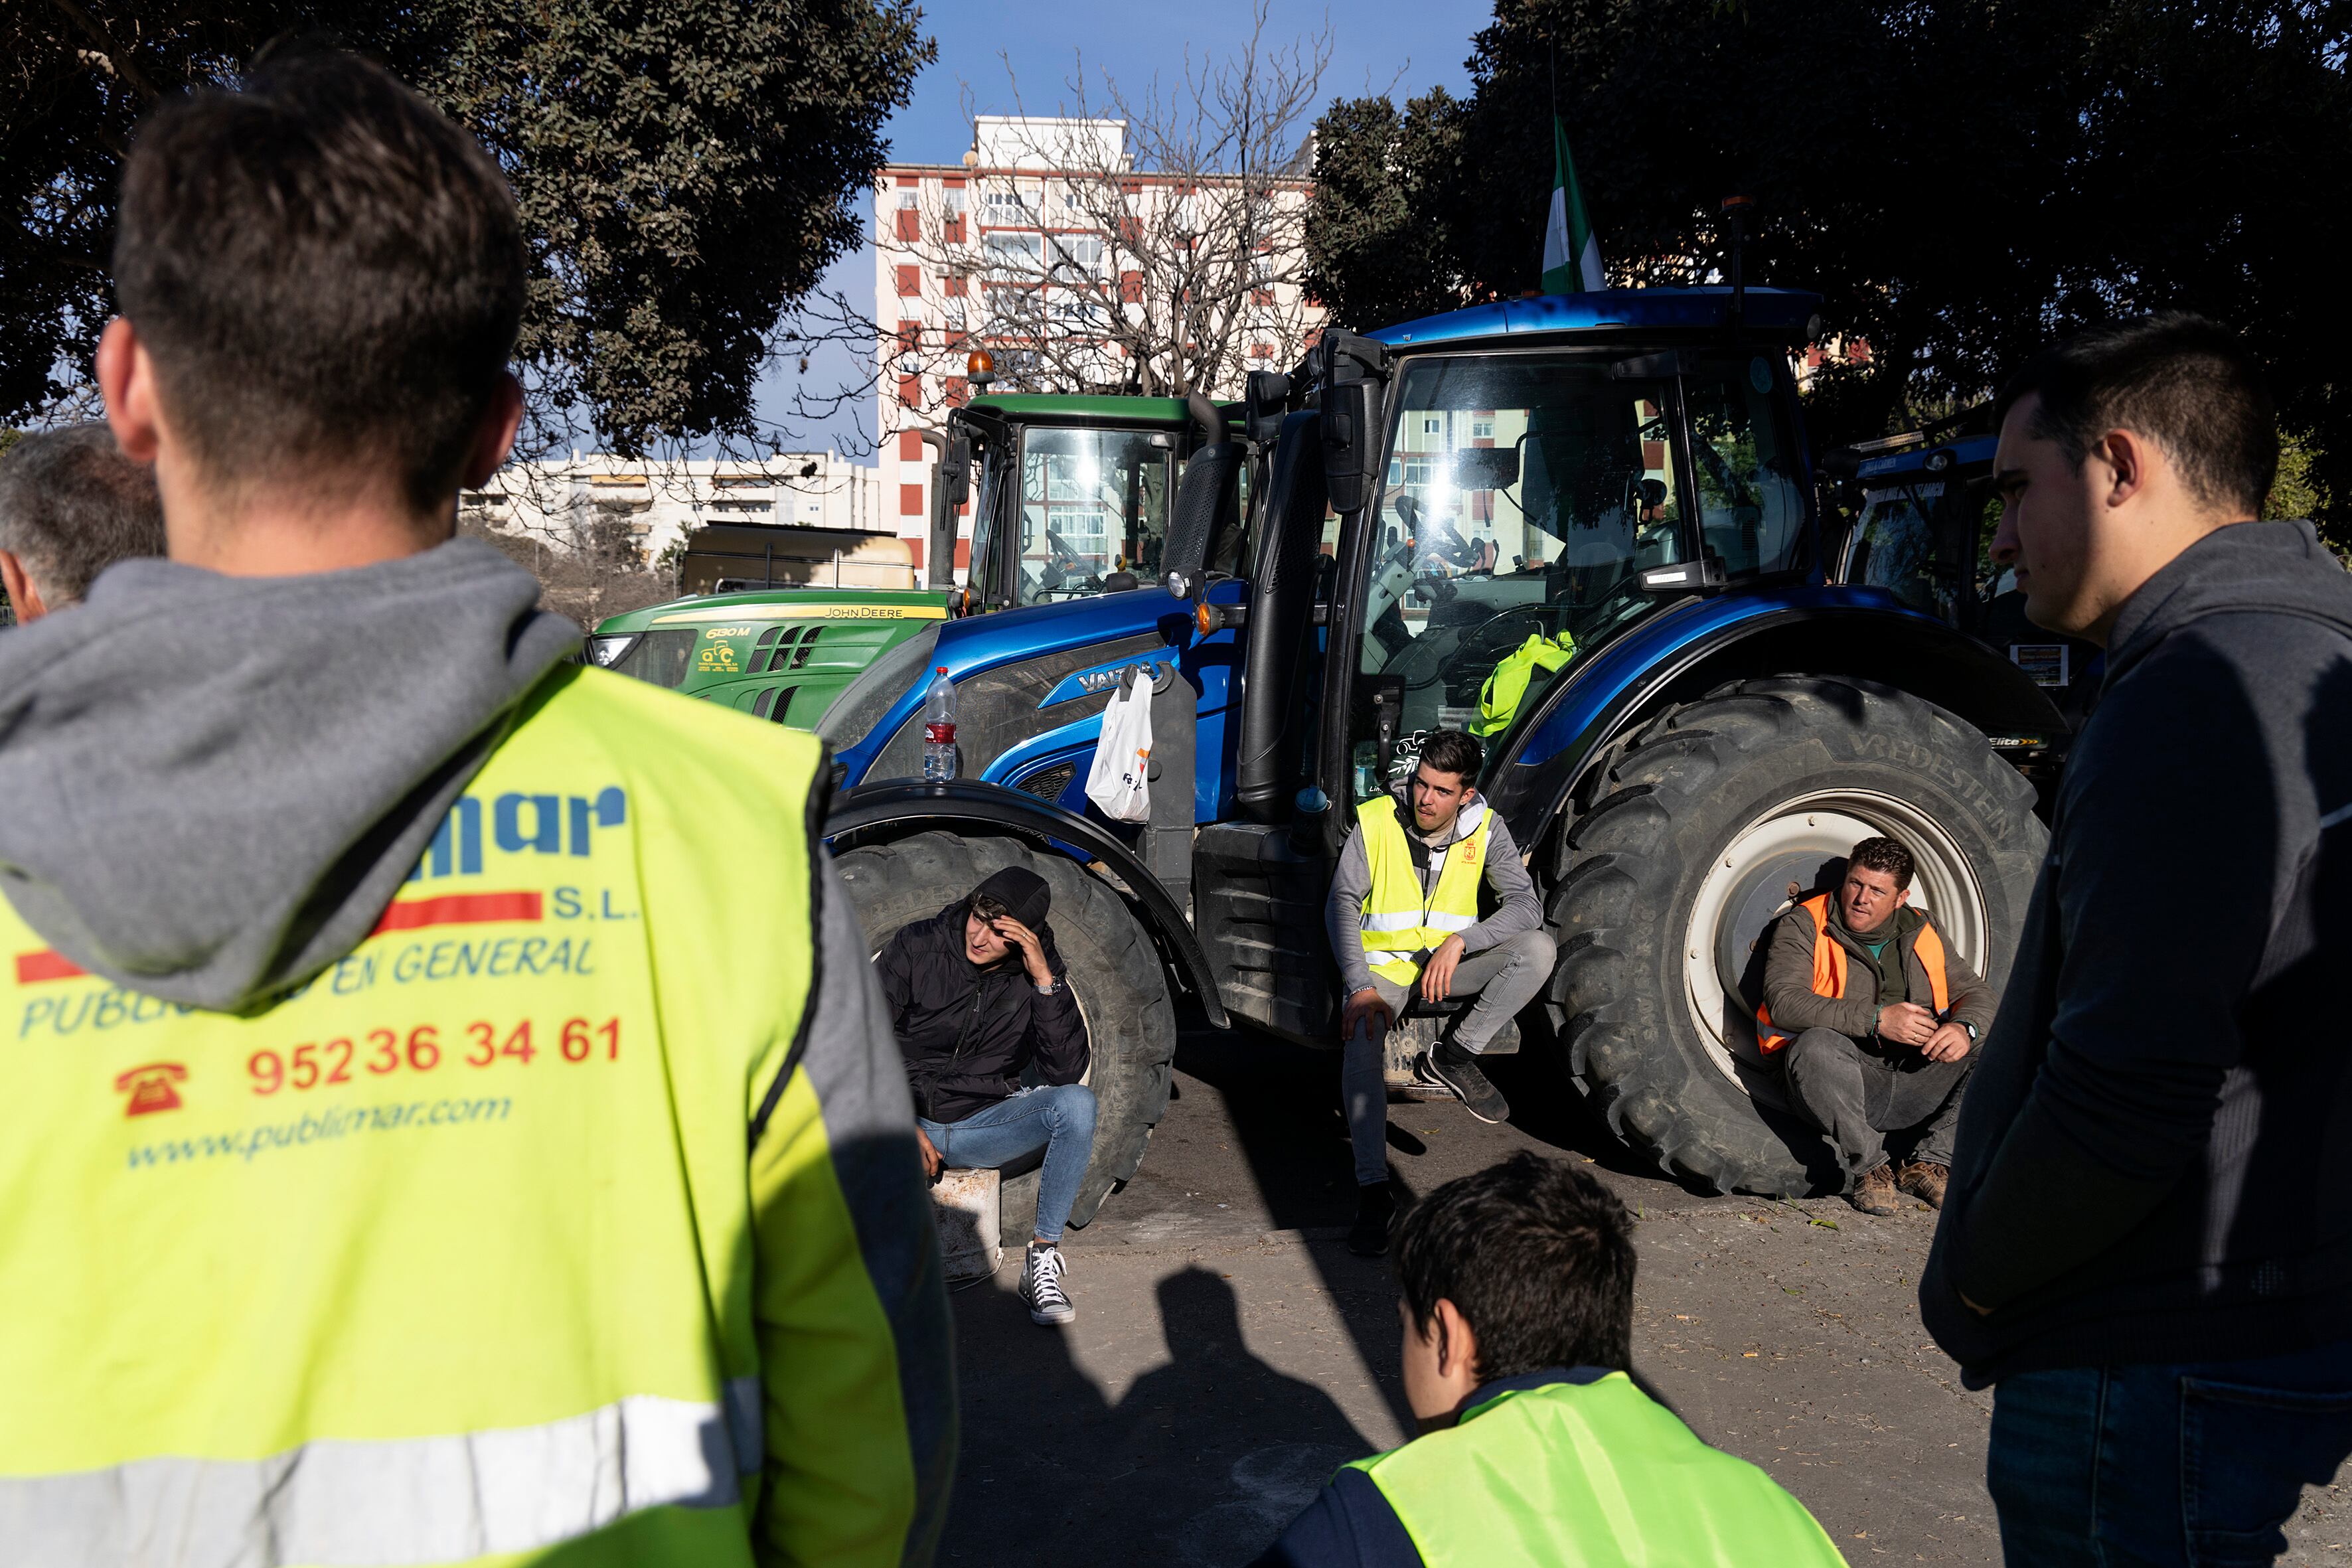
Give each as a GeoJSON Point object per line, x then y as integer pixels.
{"type": "Point", "coordinates": [1971, 1028]}
{"type": "Point", "coordinates": [1049, 989]}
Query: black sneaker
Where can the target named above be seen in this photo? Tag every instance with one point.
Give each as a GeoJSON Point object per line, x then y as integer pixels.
{"type": "Point", "coordinates": [1041, 1286]}
{"type": "Point", "coordinates": [1376, 1209]}
{"type": "Point", "coordinates": [1458, 1071]}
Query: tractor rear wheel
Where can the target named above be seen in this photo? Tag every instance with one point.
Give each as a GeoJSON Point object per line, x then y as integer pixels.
{"type": "Point", "coordinates": [1114, 974]}
{"type": "Point", "coordinates": [1703, 822]}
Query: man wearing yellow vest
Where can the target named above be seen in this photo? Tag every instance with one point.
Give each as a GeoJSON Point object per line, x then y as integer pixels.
{"type": "Point", "coordinates": [1537, 1446]}
{"type": "Point", "coordinates": [452, 1116]}
{"type": "Point", "coordinates": [1404, 920]}
{"type": "Point", "coordinates": [1875, 1022]}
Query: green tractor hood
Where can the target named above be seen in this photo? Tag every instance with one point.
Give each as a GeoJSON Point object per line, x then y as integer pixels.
{"type": "Point", "coordinates": [781, 654]}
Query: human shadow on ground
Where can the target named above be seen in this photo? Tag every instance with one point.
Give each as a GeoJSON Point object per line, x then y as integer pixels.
{"type": "Point", "coordinates": [1283, 1101]}
{"type": "Point", "coordinates": [1203, 1461]}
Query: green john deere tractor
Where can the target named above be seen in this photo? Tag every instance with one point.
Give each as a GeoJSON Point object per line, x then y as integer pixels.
{"type": "Point", "coordinates": [1072, 501]}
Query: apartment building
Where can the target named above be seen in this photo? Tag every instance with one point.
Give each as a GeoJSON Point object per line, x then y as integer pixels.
{"type": "Point", "coordinates": [1079, 273]}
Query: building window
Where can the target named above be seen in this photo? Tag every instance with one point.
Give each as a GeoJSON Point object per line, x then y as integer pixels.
{"type": "Point", "coordinates": [910, 282]}
{"type": "Point", "coordinates": [910, 500]}
{"type": "Point", "coordinates": [1015, 254]}
{"type": "Point", "coordinates": [910, 391]}
{"type": "Point", "coordinates": [1130, 288]}
{"type": "Point", "coordinates": [1433, 427]}
{"type": "Point", "coordinates": [910, 447]}
{"type": "Point", "coordinates": [957, 286]}
{"type": "Point", "coordinates": [1482, 429]}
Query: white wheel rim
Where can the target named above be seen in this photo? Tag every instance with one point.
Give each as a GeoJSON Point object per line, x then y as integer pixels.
{"type": "Point", "coordinates": [1824, 824]}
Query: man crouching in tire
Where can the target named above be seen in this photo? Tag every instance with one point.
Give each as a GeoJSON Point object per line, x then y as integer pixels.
{"type": "Point", "coordinates": [977, 996]}
{"type": "Point", "coordinates": [1404, 921]}
{"type": "Point", "coordinates": [1873, 1019]}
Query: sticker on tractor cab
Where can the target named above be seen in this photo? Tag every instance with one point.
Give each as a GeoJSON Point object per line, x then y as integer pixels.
{"type": "Point", "coordinates": [757, 613]}
{"type": "Point", "coordinates": [717, 633]}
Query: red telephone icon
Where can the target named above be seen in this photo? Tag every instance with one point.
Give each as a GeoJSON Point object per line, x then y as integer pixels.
{"type": "Point", "coordinates": [150, 1087]}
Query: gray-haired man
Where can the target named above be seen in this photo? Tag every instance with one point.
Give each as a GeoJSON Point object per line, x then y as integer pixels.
{"type": "Point", "coordinates": [71, 505]}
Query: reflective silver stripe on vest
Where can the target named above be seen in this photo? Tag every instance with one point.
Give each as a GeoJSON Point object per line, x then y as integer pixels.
{"type": "Point", "coordinates": [1409, 920]}
{"type": "Point", "coordinates": [1436, 922]}
{"type": "Point", "coordinates": [340, 1503]}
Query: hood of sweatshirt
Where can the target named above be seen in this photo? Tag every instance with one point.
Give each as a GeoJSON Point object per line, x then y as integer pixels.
{"type": "Point", "coordinates": [2264, 566]}
{"type": "Point", "coordinates": [214, 785]}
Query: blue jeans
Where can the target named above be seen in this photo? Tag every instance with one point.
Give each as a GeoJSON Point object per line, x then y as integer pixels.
{"type": "Point", "coordinates": [2192, 1463]}
{"type": "Point", "coordinates": [1060, 1120]}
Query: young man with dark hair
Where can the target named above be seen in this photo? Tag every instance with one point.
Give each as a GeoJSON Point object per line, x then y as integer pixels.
{"type": "Point", "coordinates": [2146, 1249]}
{"type": "Point", "coordinates": [1872, 1018]}
{"type": "Point", "coordinates": [1537, 1446]}
{"type": "Point", "coordinates": [1404, 919]}
{"type": "Point", "coordinates": [456, 1117]}
{"type": "Point", "coordinates": [71, 505]}
{"type": "Point", "coordinates": [978, 997]}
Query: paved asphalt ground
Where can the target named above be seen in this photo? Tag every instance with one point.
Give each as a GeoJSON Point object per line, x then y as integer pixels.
{"type": "Point", "coordinates": [1229, 1352]}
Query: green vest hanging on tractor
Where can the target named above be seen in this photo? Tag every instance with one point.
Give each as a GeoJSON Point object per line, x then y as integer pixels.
{"type": "Point", "coordinates": [1507, 687]}
{"type": "Point", "coordinates": [1398, 921]}
{"type": "Point", "coordinates": [1592, 1474]}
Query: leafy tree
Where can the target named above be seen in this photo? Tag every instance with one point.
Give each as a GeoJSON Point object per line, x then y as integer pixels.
{"type": "Point", "coordinates": [686, 169]}
{"type": "Point", "coordinates": [1960, 179]}
{"type": "Point", "coordinates": [1379, 242]}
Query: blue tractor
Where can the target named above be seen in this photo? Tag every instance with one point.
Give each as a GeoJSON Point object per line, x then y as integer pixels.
{"type": "Point", "coordinates": [1915, 514]}
{"type": "Point", "coordinates": [1584, 527]}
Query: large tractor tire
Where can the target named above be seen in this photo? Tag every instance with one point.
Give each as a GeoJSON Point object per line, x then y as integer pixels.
{"type": "Point", "coordinates": [1664, 889]}
{"type": "Point", "coordinates": [1114, 972]}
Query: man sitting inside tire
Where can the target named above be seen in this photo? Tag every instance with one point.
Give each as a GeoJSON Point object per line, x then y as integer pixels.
{"type": "Point", "coordinates": [978, 995]}
{"type": "Point", "coordinates": [1873, 1020]}
{"type": "Point", "coordinates": [1403, 919]}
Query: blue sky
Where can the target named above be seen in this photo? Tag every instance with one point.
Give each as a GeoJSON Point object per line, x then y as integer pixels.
{"type": "Point", "coordinates": [1416, 43]}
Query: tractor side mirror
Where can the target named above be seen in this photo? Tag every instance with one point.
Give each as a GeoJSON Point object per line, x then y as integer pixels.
{"type": "Point", "coordinates": [1351, 443]}
{"type": "Point", "coordinates": [955, 478]}
{"type": "Point", "coordinates": [1205, 504]}
{"type": "Point", "coordinates": [1266, 404]}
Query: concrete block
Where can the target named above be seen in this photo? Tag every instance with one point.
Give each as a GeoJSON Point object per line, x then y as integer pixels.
{"type": "Point", "coordinates": [964, 1206]}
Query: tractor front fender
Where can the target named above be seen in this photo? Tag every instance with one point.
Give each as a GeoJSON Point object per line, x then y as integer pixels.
{"type": "Point", "coordinates": [895, 808]}
{"type": "Point", "coordinates": [1683, 655]}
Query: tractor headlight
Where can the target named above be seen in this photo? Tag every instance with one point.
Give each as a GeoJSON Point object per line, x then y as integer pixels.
{"type": "Point", "coordinates": [606, 652]}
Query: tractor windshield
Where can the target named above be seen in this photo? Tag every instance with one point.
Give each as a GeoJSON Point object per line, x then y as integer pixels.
{"type": "Point", "coordinates": [1090, 504]}
{"type": "Point", "coordinates": [1525, 495]}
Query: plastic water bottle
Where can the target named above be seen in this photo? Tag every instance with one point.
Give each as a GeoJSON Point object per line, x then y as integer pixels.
{"type": "Point", "coordinates": [938, 729]}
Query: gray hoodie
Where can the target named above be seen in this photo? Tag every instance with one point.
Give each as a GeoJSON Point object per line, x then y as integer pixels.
{"type": "Point", "coordinates": [1517, 907]}
{"type": "Point", "coordinates": [211, 787]}
{"type": "Point", "coordinates": [2154, 1157]}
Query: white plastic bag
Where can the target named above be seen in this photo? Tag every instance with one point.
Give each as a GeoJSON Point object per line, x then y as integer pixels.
{"type": "Point", "coordinates": [1119, 781]}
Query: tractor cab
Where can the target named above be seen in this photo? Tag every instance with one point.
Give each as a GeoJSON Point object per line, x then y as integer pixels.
{"type": "Point", "coordinates": [1920, 515]}
{"type": "Point", "coordinates": [1075, 492]}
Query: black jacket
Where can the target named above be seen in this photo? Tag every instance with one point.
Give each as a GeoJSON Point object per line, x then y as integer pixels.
{"type": "Point", "coordinates": [969, 1033]}
{"type": "Point", "coordinates": [2155, 1156]}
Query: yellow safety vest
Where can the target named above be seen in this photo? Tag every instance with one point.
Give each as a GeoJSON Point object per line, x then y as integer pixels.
{"type": "Point", "coordinates": [1594, 1474]}
{"type": "Point", "coordinates": [1397, 923]}
{"type": "Point", "coordinates": [1507, 687]}
{"type": "Point", "coordinates": [461, 1250]}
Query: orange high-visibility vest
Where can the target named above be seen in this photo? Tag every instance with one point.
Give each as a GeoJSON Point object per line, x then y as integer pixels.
{"type": "Point", "coordinates": [1829, 970]}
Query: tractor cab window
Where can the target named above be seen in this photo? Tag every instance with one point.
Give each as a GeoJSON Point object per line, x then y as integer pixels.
{"type": "Point", "coordinates": [1525, 495]}
{"type": "Point", "coordinates": [1751, 502]}
{"type": "Point", "coordinates": [1092, 511]}
{"type": "Point", "coordinates": [1895, 548]}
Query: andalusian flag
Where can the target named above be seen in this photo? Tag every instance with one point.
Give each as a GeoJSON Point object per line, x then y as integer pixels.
{"type": "Point", "coordinates": [1571, 259]}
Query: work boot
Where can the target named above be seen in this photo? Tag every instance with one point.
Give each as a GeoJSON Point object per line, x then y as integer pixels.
{"type": "Point", "coordinates": [1875, 1193]}
{"type": "Point", "coordinates": [1376, 1208]}
{"type": "Point", "coordinates": [1923, 1180]}
{"type": "Point", "coordinates": [1041, 1285]}
{"type": "Point", "coordinates": [1458, 1071]}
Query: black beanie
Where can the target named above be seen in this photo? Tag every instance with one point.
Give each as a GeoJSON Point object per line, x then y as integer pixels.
{"type": "Point", "coordinates": [1023, 893]}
